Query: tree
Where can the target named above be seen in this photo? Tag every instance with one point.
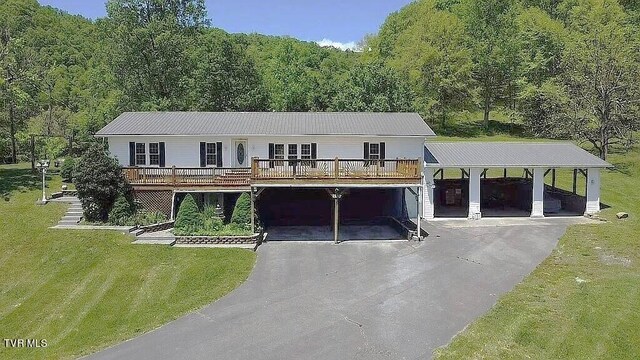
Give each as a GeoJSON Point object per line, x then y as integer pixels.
{"type": "Point", "coordinates": [225, 77]}
{"type": "Point", "coordinates": [150, 39]}
{"type": "Point", "coordinates": [189, 219]}
{"type": "Point", "coordinates": [16, 71]}
{"type": "Point", "coordinates": [99, 180]}
{"type": "Point", "coordinates": [602, 71]}
{"type": "Point", "coordinates": [121, 211]}
{"type": "Point", "coordinates": [489, 24]}
{"type": "Point", "coordinates": [545, 110]}
{"type": "Point", "coordinates": [374, 88]}
{"type": "Point", "coordinates": [242, 211]}
{"type": "Point", "coordinates": [429, 46]}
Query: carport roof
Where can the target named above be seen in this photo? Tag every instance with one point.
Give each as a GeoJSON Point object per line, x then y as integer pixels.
{"type": "Point", "coordinates": [510, 154]}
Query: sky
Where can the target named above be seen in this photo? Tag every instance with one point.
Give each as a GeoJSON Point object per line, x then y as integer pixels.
{"type": "Point", "coordinates": [341, 23]}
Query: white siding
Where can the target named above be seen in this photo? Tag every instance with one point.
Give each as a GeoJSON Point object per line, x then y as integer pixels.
{"type": "Point", "coordinates": [184, 151]}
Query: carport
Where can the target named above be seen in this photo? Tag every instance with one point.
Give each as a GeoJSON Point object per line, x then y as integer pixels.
{"type": "Point", "coordinates": [486, 184]}
{"type": "Point", "coordinates": [373, 212]}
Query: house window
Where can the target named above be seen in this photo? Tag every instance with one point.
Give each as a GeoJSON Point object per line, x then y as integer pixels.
{"type": "Point", "coordinates": [278, 153]}
{"type": "Point", "coordinates": [211, 156]}
{"type": "Point", "coordinates": [293, 154]}
{"type": "Point", "coordinates": [374, 151]}
{"type": "Point", "coordinates": [305, 154]}
{"type": "Point", "coordinates": [154, 154]}
{"type": "Point", "coordinates": [141, 155]}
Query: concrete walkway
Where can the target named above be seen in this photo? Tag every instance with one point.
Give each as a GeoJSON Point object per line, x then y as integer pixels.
{"type": "Point", "coordinates": [164, 237]}
{"type": "Point", "coordinates": [355, 300]}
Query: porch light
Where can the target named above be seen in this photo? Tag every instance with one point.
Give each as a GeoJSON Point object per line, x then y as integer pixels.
{"type": "Point", "coordinates": [219, 212]}
{"type": "Point", "coordinates": [43, 166]}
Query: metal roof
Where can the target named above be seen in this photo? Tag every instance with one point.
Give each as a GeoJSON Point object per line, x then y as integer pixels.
{"type": "Point", "coordinates": [267, 123]}
{"type": "Point", "coordinates": [510, 154]}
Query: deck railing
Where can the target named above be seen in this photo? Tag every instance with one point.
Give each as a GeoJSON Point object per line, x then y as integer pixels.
{"type": "Point", "coordinates": [175, 176]}
{"type": "Point", "coordinates": [263, 170]}
{"type": "Point", "coordinates": [336, 169]}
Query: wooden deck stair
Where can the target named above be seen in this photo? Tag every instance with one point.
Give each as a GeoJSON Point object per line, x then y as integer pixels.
{"type": "Point", "coordinates": [234, 177]}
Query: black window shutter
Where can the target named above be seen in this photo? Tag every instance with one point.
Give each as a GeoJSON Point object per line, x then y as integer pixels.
{"type": "Point", "coordinates": [162, 154]}
{"type": "Point", "coordinates": [203, 154]}
{"type": "Point", "coordinates": [382, 153]}
{"type": "Point", "coordinates": [272, 154]}
{"type": "Point", "coordinates": [314, 154]}
{"type": "Point", "coordinates": [219, 154]}
{"type": "Point", "coordinates": [366, 153]}
{"type": "Point", "coordinates": [132, 153]}
{"type": "Point", "coordinates": [314, 151]}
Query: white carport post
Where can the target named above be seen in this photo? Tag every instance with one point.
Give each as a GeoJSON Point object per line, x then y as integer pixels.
{"type": "Point", "coordinates": [474, 193]}
{"type": "Point", "coordinates": [593, 191]}
{"type": "Point", "coordinates": [537, 205]}
{"type": "Point", "coordinates": [419, 211]}
{"type": "Point", "coordinates": [427, 203]}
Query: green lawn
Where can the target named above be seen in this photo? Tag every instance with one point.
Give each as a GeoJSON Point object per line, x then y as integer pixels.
{"type": "Point", "coordinates": [583, 302]}
{"type": "Point", "coordinates": [85, 290]}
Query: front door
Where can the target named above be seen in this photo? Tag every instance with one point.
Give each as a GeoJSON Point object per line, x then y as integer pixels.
{"type": "Point", "coordinates": [240, 155]}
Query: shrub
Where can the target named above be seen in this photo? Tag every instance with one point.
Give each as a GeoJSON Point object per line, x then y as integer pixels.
{"type": "Point", "coordinates": [121, 211]}
{"type": "Point", "coordinates": [242, 211]}
{"type": "Point", "coordinates": [144, 217]}
{"type": "Point", "coordinates": [213, 225]}
{"type": "Point", "coordinates": [209, 212]}
{"type": "Point", "coordinates": [66, 171]}
{"type": "Point", "coordinates": [188, 218]}
{"type": "Point", "coordinates": [99, 180]}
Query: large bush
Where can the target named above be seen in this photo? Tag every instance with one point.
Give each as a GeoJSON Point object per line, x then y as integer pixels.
{"type": "Point", "coordinates": [99, 180]}
{"type": "Point", "coordinates": [189, 219]}
{"type": "Point", "coordinates": [66, 171]}
{"type": "Point", "coordinates": [242, 211]}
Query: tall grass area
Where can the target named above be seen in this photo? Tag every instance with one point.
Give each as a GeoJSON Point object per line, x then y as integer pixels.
{"type": "Point", "coordinates": [85, 290]}
{"type": "Point", "coordinates": [583, 301]}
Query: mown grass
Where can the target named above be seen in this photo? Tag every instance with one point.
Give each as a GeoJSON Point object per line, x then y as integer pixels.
{"type": "Point", "coordinates": [583, 301]}
{"type": "Point", "coordinates": [85, 290]}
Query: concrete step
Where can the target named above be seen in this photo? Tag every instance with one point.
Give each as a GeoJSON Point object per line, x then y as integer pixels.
{"type": "Point", "coordinates": [136, 232]}
{"type": "Point", "coordinates": [67, 222]}
{"type": "Point", "coordinates": [71, 218]}
{"type": "Point", "coordinates": [77, 212]}
{"type": "Point", "coordinates": [146, 241]}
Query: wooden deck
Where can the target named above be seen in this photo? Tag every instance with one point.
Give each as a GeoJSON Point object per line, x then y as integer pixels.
{"type": "Point", "coordinates": [283, 172]}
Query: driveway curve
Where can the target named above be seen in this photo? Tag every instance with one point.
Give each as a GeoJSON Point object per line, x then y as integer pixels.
{"type": "Point", "coordinates": [356, 300]}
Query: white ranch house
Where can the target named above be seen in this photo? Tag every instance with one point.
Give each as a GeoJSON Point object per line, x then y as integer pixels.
{"type": "Point", "coordinates": [335, 169]}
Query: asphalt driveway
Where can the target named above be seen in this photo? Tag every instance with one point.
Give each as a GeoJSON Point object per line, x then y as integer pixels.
{"type": "Point", "coordinates": [356, 300]}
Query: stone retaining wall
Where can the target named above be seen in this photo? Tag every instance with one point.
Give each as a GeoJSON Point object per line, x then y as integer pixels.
{"type": "Point", "coordinates": [157, 227]}
{"type": "Point", "coordinates": [194, 240]}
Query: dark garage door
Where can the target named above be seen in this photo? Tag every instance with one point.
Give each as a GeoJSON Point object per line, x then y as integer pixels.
{"type": "Point", "coordinates": [299, 207]}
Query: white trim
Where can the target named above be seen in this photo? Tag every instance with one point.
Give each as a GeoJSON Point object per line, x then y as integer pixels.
{"type": "Point", "coordinates": [269, 135]}
{"type": "Point", "coordinates": [547, 166]}
{"type": "Point", "coordinates": [334, 185]}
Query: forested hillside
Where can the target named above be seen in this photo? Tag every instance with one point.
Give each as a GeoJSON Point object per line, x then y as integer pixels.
{"type": "Point", "coordinates": [563, 68]}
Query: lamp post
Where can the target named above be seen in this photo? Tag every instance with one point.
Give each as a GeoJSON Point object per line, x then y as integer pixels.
{"type": "Point", "coordinates": [43, 166]}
